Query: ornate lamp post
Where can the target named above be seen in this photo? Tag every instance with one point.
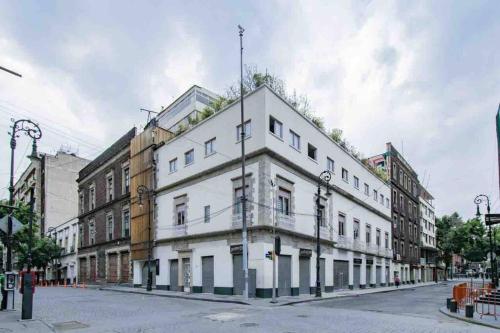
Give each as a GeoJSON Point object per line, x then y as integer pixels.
{"type": "Point", "coordinates": [141, 191]}
{"type": "Point", "coordinates": [33, 131]}
{"type": "Point", "coordinates": [324, 178]}
{"type": "Point", "coordinates": [479, 199]}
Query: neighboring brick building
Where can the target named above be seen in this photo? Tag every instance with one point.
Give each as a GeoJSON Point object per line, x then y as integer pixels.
{"type": "Point", "coordinates": [104, 216]}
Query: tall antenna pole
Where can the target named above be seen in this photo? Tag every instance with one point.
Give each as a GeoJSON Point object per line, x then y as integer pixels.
{"type": "Point", "coordinates": [243, 185]}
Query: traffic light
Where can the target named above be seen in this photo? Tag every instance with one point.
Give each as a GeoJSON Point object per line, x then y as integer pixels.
{"type": "Point", "coordinates": [277, 245]}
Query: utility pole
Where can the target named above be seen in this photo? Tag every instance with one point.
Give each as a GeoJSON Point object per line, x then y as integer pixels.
{"type": "Point", "coordinates": [27, 305]}
{"type": "Point", "coordinates": [478, 200]}
{"type": "Point", "coordinates": [243, 185]}
{"type": "Point", "coordinates": [273, 212]}
{"type": "Point", "coordinates": [325, 176]}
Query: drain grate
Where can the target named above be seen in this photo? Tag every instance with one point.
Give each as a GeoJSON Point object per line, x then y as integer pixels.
{"type": "Point", "coordinates": [302, 316]}
{"type": "Point", "coordinates": [249, 325]}
{"type": "Point", "coordinates": [68, 325]}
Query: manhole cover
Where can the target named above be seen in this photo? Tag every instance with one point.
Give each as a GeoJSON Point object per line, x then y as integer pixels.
{"type": "Point", "coordinates": [224, 316]}
{"type": "Point", "coordinates": [68, 325]}
{"type": "Point", "coordinates": [302, 316]}
{"type": "Point", "coordinates": [249, 325]}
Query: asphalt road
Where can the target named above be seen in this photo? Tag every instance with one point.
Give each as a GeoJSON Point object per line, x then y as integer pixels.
{"type": "Point", "coordinates": [106, 311]}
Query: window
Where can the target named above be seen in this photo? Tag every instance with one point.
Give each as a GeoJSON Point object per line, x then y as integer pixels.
{"type": "Point", "coordinates": [394, 170]}
{"type": "Point", "coordinates": [247, 129]}
{"type": "Point", "coordinates": [189, 157]}
{"type": "Point", "coordinates": [238, 194]}
{"type": "Point", "coordinates": [405, 181]}
{"type": "Point", "coordinates": [181, 214]}
{"type": "Point", "coordinates": [396, 248]}
{"type": "Point", "coordinates": [367, 189]}
{"type": "Point", "coordinates": [345, 175]}
{"type": "Point", "coordinates": [206, 211]}
{"type": "Point", "coordinates": [368, 233]}
{"type": "Point", "coordinates": [172, 165]}
{"type": "Point", "coordinates": [341, 225]}
{"type": "Point", "coordinates": [402, 249]}
{"type": "Point", "coordinates": [377, 237]}
{"type": "Point", "coordinates": [414, 189]}
{"type": "Point", "coordinates": [92, 197]}
{"type": "Point", "coordinates": [109, 227]}
{"type": "Point", "coordinates": [312, 151]}
{"type": "Point", "coordinates": [375, 195]}
{"type": "Point", "coordinates": [386, 240]}
{"type": "Point", "coordinates": [356, 229]}
{"type": "Point", "coordinates": [381, 199]}
{"type": "Point", "coordinates": [387, 202]}
{"type": "Point", "coordinates": [322, 216]}
{"type": "Point", "coordinates": [91, 232]}
{"type": "Point", "coordinates": [400, 177]}
{"type": "Point", "coordinates": [81, 202]}
{"type": "Point", "coordinates": [401, 202]}
{"type": "Point", "coordinates": [415, 230]}
{"type": "Point", "coordinates": [395, 198]}
{"type": "Point", "coordinates": [395, 219]}
{"type": "Point", "coordinates": [126, 222]}
{"type": "Point", "coordinates": [330, 164]}
{"type": "Point", "coordinates": [356, 182]}
{"type": "Point", "coordinates": [210, 147]}
{"type": "Point", "coordinates": [402, 222]}
{"type": "Point", "coordinates": [276, 127]}
{"type": "Point", "coordinates": [283, 202]}
{"type": "Point", "coordinates": [109, 186]}
{"type": "Point", "coordinates": [294, 140]}
{"type": "Point", "coordinates": [80, 235]}
{"type": "Point", "coordinates": [126, 179]}
{"type": "Point", "coordinates": [73, 241]}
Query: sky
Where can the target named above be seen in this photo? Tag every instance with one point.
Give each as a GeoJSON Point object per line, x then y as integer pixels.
{"type": "Point", "coordinates": [424, 75]}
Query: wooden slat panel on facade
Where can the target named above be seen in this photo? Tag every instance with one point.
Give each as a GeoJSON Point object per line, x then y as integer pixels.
{"type": "Point", "coordinates": [141, 173]}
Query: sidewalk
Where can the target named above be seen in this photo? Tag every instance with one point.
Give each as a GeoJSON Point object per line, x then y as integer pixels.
{"type": "Point", "coordinates": [488, 321]}
{"type": "Point", "coordinates": [10, 322]}
{"type": "Point", "coordinates": [282, 301]}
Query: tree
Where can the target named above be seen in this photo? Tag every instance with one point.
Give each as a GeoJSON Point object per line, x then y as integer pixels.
{"type": "Point", "coordinates": [44, 250]}
{"type": "Point", "coordinates": [447, 240]}
{"type": "Point", "coordinates": [473, 240]}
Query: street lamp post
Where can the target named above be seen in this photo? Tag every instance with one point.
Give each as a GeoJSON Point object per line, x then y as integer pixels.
{"type": "Point", "coordinates": [483, 198]}
{"type": "Point", "coordinates": [33, 131]}
{"type": "Point", "coordinates": [324, 177]}
{"type": "Point", "coordinates": [144, 190]}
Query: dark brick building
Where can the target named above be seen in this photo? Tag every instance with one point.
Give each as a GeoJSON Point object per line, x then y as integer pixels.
{"type": "Point", "coordinates": [104, 216]}
{"type": "Point", "coordinates": [405, 213]}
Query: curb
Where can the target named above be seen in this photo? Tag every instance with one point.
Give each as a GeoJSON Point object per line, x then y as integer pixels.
{"type": "Point", "coordinates": [355, 295]}
{"type": "Point", "coordinates": [178, 296]}
{"type": "Point", "coordinates": [444, 311]}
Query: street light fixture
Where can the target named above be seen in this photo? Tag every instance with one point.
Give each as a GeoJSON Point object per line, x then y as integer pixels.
{"type": "Point", "coordinates": [324, 178]}
{"type": "Point", "coordinates": [141, 191]}
{"type": "Point", "coordinates": [479, 199]}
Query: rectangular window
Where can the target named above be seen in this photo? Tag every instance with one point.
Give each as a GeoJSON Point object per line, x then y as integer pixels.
{"type": "Point", "coordinates": [126, 180]}
{"type": "Point", "coordinates": [206, 211]}
{"type": "Point", "coordinates": [189, 157]}
{"type": "Point", "coordinates": [172, 165]}
{"type": "Point", "coordinates": [210, 147]}
{"type": "Point", "coordinates": [126, 223]}
{"type": "Point", "coordinates": [375, 195]}
{"type": "Point", "coordinates": [394, 171]}
{"type": "Point", "coordinates": [247, 129]}
{"type": "Point", "coordinates": [415, 232]}
{"type": "Point", "coordinates": [386, 240]}
{"type": "Point", "coordinates": [283, 203]}
{"type": "Point", "coordinates": [356, 182]}
{"type": "Point", "coordinates": [80, 235]}
{"type": "Point", "coordinates": [109, 187]}
{"type": "Point", "coordinates": [394, 198]}
{"type": "Point", "coordinates": [91, 232]}
{"type": "Point", "coordinates": [109, 227]}
{"type": "Point", "coordinates": [312, 152]}
{"type": "Point", "coordinates": [396, 248]}
{"type": "Point", "coordinates": [368, 233]}
{"type": "Point", "coordinates": [367, 189]}
{"type": "Point", "coordinates": [356, 229]}
{"type": "Point", "coordinates": [181, 214]}
{"type": "Point", "coordinates": [238, 195]}
{"type": "Point", "coordinates": [91, 197]}
{"type": "Point", "coordinates": [294, 140]}
{"type": "Point", "coordinates": [401, 202]}
{"type": "Point", "coordinates": [381, 199]}
{"type": "Point", "coordinates": [341, 225]}
{"type": "Point", "coordinates": [345, 175]}
{"type": "Point", "coordinates": [400, 177]}
{"type": "Point", "coordinates": [330, 165]}
{"type": "Point", "coordinates": [377, 237]}
{"type": "Point", "coordinates": [73, 242]}
{"type": "Point", "coordinates": [322, 216]}
{"type": "Point", "coordinates": [402, 222]}
{"type": "Point", "coordinates": [387, 202]}
{"type": "Point", "coordinates": [81, 202]}
{"type": "Point", "coordinates": [276, 127]}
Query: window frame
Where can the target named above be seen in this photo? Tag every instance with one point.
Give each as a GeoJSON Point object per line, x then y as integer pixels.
{"type": "Point", "coordinates": [272, 123]}
{"type": "Point", "coordinates": [125, 209]}
{"type": "Point", "coordinates": [172, 162]}
{"type": "Point", "coordinates": [356, 182]}
{"type": "Point", "coordinates": [248, 133]}
{"type": "Point", "coordinates": [186, 154]}
{"type": "Point", "coordinates": [108, 231]}
{"type": "Point", "coordinates": [210, 143]}
{"type": "Point", "coordinates": [341, 225]}
{"type": "Point", "coordinates": [346, 172]}
{"type": "Point", "coordinates": [314, 150]}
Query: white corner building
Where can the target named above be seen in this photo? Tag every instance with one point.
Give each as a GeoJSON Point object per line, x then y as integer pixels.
{"type": "Point", "coordinates": [198, 239]}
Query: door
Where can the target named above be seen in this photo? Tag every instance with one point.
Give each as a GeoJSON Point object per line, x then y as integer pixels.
{"type": "Point", "coordinates": [357, 276]}
{"type": "Point", "coordinates": [378, 275]}
{"type": "Point", "coordinates": [341, 274]}
{"type": "Point", "coordinates": [387, 275]}
{"type": "Point", "coordinates": [93, 269]}
{"type": "Point", "coordinates": [186, 276]}
{"type": "Point", "coordinates": [82, 270]}
{"type": "Point", "coordinates": [125, 267]}
{"type": "Point", "coordinates": [368, 275]}
{"type": "Point", "coordinates": [207, 274]}
{"type": "Point", "coordinates": [322, 273]}
{"type": "Point", "coordinates": [238, 283]}
{"type": "Point", "coordinates": [174, 275]}
{"type": "Point", "coordinates": [304, 275]}
{"type": "Point", "coordinates": [284, 275]}
{"type": "Point", "coordinates": [112, 268]}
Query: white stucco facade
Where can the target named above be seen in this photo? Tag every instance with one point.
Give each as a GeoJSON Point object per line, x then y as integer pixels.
{"type": "Point", "coordinates": [198, 222]}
